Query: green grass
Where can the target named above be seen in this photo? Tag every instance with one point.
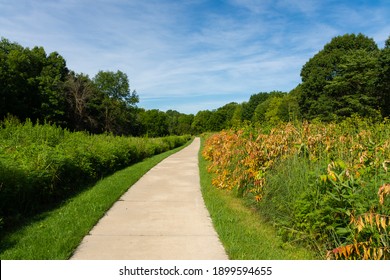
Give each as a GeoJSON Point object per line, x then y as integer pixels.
{"type": "Point", "coordinates": [241, 229]}
{"type": "Point", "coordinates": [54, 235]}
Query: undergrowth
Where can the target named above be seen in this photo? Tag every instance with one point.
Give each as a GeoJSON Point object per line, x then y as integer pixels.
{"type": "Point", "coordinates": [241, 227]}
{"type": "Point", "coordinates": [326, 185]}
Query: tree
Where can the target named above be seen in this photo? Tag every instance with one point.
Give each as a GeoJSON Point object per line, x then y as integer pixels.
{"type": "Point", "coordinates": [248, 108]}
{"type": "Point", "coordinates": [31, 83]}
{"type": "Point", "coordinates": [273, 98]}
{"type": "Point", "coordinates": [79, 93]}
{"type": "Point", "coordinates": [353, 90]}
{"type": "Point", "coordinates": [13, 60]}
{"type": "Point", "coordinates": [178, 123]}
{"type": "Point", "coordinates": [324, 67]}
{"type": "Point", "coordinates": [51, 83]}
{"type": "Point", "coordinates": [273, 114]}
{"type": "Point", "coordinates": [118, 101]}
{"type": "Point", "coordinates": [155, 123]}
{"type": "Point", "coordinates": [173, 121]}
{"type": "Point", "coordinates": [226, 112]}
{"type": "Point", "coordinates": [19, 70]}
{"type": "Point", "coordinates": [289, 108]}
{"type": "Point", "coordinates": [216, 121]}
{"type": "Point", "coordinates": [184, 124]}
{"type": "Point", "coordinates": [115, 85]}
{"type": "Point", "coordinates": [236, 119]}
{"type": "Point", "coordinates": [201, 121]}
{"type": "Point", "coordinates": [383, 85]}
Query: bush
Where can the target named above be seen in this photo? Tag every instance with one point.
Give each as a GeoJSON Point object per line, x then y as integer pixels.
{"type": "Point", "coordinates": [43, 164]}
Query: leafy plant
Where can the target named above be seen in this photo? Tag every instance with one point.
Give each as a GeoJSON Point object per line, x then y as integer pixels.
{"type": "Point", "coordinates": [42, 164]}
{"type": "Point", "coordinates": [343, 164]}
{"type": "Point", "coordinates": [370, 237]}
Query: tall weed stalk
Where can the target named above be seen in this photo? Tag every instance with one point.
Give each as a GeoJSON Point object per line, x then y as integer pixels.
{"type": "Point", "coordinates": [325, 184]}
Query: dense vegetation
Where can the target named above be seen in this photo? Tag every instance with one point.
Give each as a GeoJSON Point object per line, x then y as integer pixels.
{"type": "Point", "coordinates": [326, 185]}
{"type": "Point", "coordinates": [244, 233]}
{"type": "Point", "coordinates": [42, 164]}
{"type": "Point", "coordinates": [37, 86]}
{"type": "Point", "coordinates": [55, 234]}
{"type": "Point", "coordinates": [315, 160]}
{"type": "Point", "coordinates": [350, 75]}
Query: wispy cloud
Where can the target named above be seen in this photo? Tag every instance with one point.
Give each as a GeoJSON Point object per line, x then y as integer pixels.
{"type": "Point", "coordinates": [191, 55]}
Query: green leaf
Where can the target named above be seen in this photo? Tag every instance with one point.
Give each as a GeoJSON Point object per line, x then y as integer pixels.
{"type": "Point", "coordinates": [342, 231]}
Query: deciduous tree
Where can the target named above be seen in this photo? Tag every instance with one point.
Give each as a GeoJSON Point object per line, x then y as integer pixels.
{"type": "Point", "coordinates": [315, 101]}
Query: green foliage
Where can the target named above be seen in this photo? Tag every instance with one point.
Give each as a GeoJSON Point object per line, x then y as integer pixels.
{"type": "Point", "coordinates": [42, 164]}
{"type": "Point", "coordinates": [115, 86]}
{"type": "Point", "coordinates": [155, 123]}
{"type": "Point", "coordinates": [341, 80]}
{"type": "Point", "coordinates": [349, 76]}
{"type": "Point", "coordinates": [116, 101]}
{"type": "Point", "coordinates": [55, 234]}
{"type": "Point", "coordinates": [81, 99]}
{"type": "Point", "coordinates": [225, 115]}
{"type": "Point", "coordinates": [323, 185]}
{"type": "Point", "coordinates": [249, 107]}
{"type": "Point", "coordinates": [202, 122]}
{"type": "Point", "coordinates": [30, 81]}
{"type": "Point", "coordinates": [179, 123]}
{"type": "Point", "coordinates": [384, 79]}
{"type": "Point", "coordinates": [353, 90]}
{"type": "Point", "coordinates": [236, 119]}
{"type": "Point", "coordinates": [103, 104]}
{"type": "Point", "coordinates": [241, 229]}
{"type": "Point", "coordinates": [270, 110]}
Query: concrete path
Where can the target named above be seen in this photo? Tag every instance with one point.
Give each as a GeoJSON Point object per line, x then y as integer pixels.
{"type": "Point", "coordinates": [161, 217]}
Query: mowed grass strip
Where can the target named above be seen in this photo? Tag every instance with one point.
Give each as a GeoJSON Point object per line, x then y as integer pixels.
{"type": "Point", "coordinates": [55, 235]}
{"type": "Point", "coordinates": [241, 229]}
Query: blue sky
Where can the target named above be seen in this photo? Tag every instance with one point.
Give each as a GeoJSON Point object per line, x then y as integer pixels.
{"type": "Point", "coordinates": [191, 55]}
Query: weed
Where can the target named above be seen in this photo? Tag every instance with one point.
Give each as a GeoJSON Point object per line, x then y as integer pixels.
{"type": "Point", "coordinates": [331, 173]}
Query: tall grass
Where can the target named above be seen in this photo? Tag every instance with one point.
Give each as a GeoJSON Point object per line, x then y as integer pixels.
{"type": "Point", "coordinates": [323, 184]}
{"type": "Point", "coordinates": [55, 234]}
{"type": "Point", "coordinates": [241, 228]}
{"type": "Point", "coordinates": [42, 164]}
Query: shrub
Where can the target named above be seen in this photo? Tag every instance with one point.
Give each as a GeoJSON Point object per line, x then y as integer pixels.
{"type": "Point", "coordinates": [43, 164]}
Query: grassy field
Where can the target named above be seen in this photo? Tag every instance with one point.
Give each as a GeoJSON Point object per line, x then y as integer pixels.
{"type": "Point", "coordinates": [55, 234]}
{"type": "Point", "coordinates": [241, 228]}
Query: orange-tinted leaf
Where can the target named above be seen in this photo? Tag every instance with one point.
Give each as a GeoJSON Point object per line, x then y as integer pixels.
{"type": "Point", "coordinates": [377, 220]}
{"type": "Point", "coordinates": [382, 192]}
{"type": "Point", "coordinates": [380, 253]}
{"type": "Point", "coordinates": [356, 248]}
{"type": "Point", "coordinates": [383, 222]}
{"type": "Point", "coordinates": [374, 255]}
{"type": "Point", "coordinates": [360, 224]}
{"type": "Point", "coordinates": [366, 254]}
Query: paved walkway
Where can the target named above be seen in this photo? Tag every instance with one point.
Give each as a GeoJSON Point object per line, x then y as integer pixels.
{"type": "Point", "coordinates": [161, 217]}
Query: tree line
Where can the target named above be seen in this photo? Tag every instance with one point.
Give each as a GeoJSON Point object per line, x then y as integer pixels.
{"type": "Point", "coordinates": [349, 76]}
{"type": "Point", "coordinates": [38, 86]}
